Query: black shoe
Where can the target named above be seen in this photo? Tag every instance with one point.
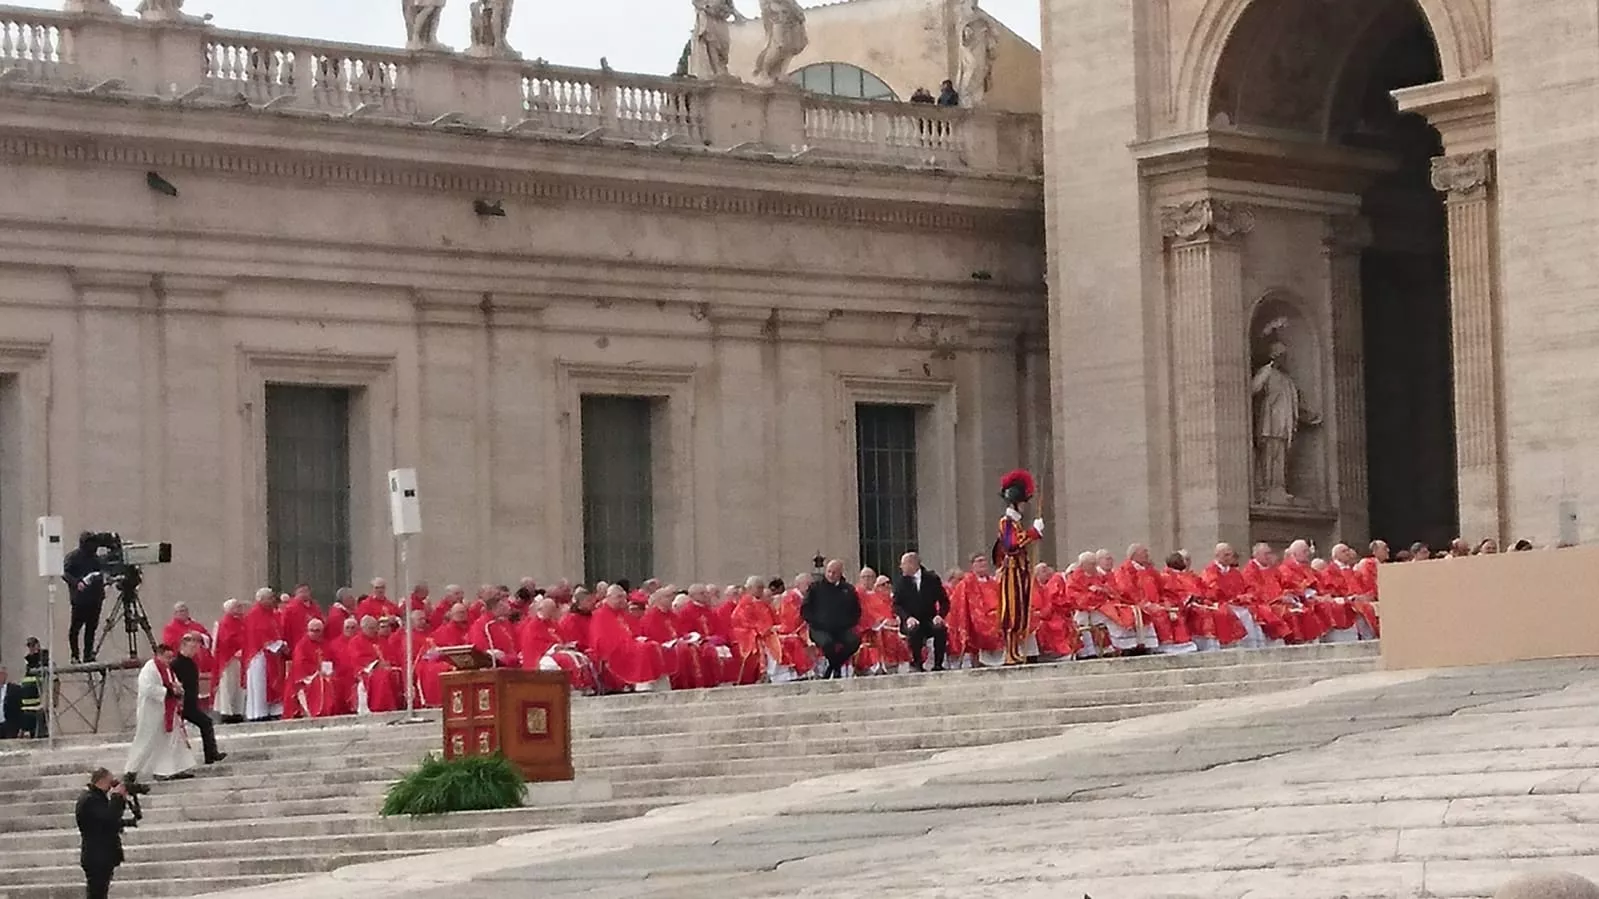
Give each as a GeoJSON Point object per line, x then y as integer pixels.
{"type": "Point", "coordinates": [919, 668]}
{"type": "Point", "coordinates": [181, 775]}
{"type": "Point", "coordinates": [219, 757]}
{"type": "Point", "coordinates": [938, 667]}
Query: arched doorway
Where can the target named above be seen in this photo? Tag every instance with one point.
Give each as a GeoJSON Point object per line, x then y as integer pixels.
{"type": "Point", "coordinates": [1310, 82]}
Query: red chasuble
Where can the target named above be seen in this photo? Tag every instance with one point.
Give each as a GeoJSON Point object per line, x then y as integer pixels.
{"type": "Point", "coordinates": [625, 659]}
{"type": "Point", "coordinates": [1142, 584]}
{"type": "Point", "coordinates": [498, 639]}
{"type": "Point", "coordinates": [378, 607]}
{"type": "Point", "coordinates": [1205, 617]}
{"type": "Point", "coordinates": [294, 615]}
{"type": "Point", "coordinates": [1233, 587]}
{"type": "Point", "coordinates": [371, 668]}
{"type": "Point", "coordinates": [1052, 621]}
{"type": "Point", "coordinates": [315, 691]}
{"type": "Point", "coordinates": [695, 618]}
{"type": "Point", "coordinates": [687, 663]}
{"type": "Point", "coordinates": [795, 634]}
{"type": "Point", "coordinates": [229, 646]}
{"type": "Point", "coordinates": [538, 639]}
{"type": "Point", "coordinates": [174, 632]}
{"type": "Point", "coordinates": [261, 629]}
{"type": "Point", "coordinates": [980, 627]}
{"type": "Point", "coordinates": [755, 635]}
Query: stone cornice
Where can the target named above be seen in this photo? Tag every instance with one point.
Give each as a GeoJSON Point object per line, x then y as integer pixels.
{"type": "Point", "coordinates": [51, 129]}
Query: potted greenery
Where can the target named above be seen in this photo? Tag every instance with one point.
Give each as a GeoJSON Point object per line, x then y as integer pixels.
{"type": "Point", "coordinates": [468, 784]}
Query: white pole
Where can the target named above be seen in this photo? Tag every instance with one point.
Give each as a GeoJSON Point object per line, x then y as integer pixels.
{"type": "Point", "coordinates": [49, 685]}
{"type": "Point", "coordinates": [405, 622]}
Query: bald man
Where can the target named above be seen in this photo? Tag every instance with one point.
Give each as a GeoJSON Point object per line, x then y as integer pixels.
{"type": "Point", "coordinates": [832, 610]}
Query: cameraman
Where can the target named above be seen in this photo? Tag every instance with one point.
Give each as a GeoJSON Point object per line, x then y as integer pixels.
{"type": "Point", "coordinates": [84, 572]}
{"type": "Point", "coordinates": [100, 824]}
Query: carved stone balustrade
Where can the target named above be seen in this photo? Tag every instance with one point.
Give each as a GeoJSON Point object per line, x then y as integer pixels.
{"type": "Point", "coordinates": [121, 55]}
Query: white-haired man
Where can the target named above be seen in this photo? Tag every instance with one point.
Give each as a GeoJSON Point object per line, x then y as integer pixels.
{"type": "Point", "coordinates": [228, 663]}
{"type": "Point", "coordinates": [265, 653]}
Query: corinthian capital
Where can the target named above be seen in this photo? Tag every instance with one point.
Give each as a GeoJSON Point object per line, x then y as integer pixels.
{"type": "Point", "coordinates": [1463, 176]}
{"type": "Point", "coordinates": [1205, 220]}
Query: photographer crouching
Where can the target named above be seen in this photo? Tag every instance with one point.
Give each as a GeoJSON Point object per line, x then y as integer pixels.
{"type": "Point", "coordinates": [100, 824]}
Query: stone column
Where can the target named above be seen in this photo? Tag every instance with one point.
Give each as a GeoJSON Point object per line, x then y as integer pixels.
{"type": "Point", "coordinates": [1209, 370]}
{"type": "Point", "coordinates": [1466, 181]}
{"type": "Point", "coordinates": [1344, 239]}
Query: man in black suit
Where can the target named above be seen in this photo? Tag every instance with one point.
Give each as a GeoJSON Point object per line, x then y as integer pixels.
{"type": "Point", "coordinates": [99, 815]}
{"type": "Point", "coordinates": [10, 708]}
{"type": "Point", "coordinates": [832, 609]}
{"type": "Point", "coordinates": [922, 605]}
{"type": "Point", "coordinates": [188, 674]}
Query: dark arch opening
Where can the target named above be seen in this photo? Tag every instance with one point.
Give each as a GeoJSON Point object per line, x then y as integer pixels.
{"type": "Point", "coordinates": [1324, 71]}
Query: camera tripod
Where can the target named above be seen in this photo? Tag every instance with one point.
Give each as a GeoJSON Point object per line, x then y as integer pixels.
{"type": "Point", "coordinates": [130, 610]}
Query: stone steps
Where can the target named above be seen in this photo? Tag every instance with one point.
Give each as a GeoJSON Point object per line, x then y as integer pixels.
{"type": "Point", "coordinates": [297, 798]}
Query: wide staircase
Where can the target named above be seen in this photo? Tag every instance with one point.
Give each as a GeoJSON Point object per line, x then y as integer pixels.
{"type": "Point", "coordinates": [295, 798]}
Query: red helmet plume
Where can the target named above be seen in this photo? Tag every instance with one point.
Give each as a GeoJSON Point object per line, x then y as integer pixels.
{"type": "Point", "coordinates": [1018, 486]}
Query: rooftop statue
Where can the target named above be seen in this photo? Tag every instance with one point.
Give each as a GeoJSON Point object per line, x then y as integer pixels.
{"type": "Point", "coordinates": [490, 21]}
{"type": "Point", "coordinates": [979, 45]}
{"type": "Point", "coordinates": [786, 38]}
{"type": "Point", "coordinates": [712, 41]}
{"type": "Point", "coordinates": [422, 24]}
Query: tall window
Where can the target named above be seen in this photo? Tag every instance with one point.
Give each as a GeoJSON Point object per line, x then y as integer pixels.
{"type": "Point", "coordinates": [618, 490]}
{"type": "Point", "coordinates": [308, 488]}
{"type": "Point", "coordinates": [838, 79]}
{"type": "Point", "coordinates": [885, 440]}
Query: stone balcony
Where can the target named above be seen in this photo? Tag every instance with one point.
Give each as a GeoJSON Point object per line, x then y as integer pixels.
{"type": "Point", "coordinates": [197, 64]}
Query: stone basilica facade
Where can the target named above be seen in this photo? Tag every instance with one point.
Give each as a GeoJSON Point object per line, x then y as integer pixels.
{"type": "Point", "coordinates": [1266, 268]}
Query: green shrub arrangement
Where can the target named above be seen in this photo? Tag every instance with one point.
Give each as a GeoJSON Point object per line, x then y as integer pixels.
{"type": "Point", "coordinates": [471, 784]}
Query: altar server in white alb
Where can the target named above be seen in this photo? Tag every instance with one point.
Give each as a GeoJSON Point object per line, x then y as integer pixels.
{"type": "Point", "coordinates": [160, 744]}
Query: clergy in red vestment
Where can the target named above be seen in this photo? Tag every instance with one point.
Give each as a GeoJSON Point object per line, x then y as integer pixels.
{"type": "Point", "coordinates": [376, 604]}
{"type": "Point", "coordinates": [626, 659]}
{"type": "Point", "coordinates": [1311, 616]}
{"type": "Point", "coordinates": [1211, 625]}
{"type": "Point", "coordinates": [418, 600]}
{"type": "Point", "coordinates": [426, 665]}
{"type": "Point", "coordinates": [974, 616]}
{"type": "Point", "coordinates": [379, 682]}
{"type": "Point", "coordinates": [792, 631]}
{"type": "Point", "coordinates": [576, 627]}
{"type": "Point", "coordinates": [314, 684]}
{"type": "Point", "coordinates": [453, 595]}
{"type": "Point", "coordinates": [339, 646]}
{"type": "Point", "coordinates": [495, 636]}
{"type": "Point", "coordinates": [1273, 599]}
{"type": "Point", "coordinates": [1230, 590]}
{"type": "Point", "coordinates": [691, 663]}
{"type": "Point", "coordinates": [755, 634]}
{"type": "Point", "coordinates": [542, 648]}
{"type": "Point", "coordinates": [183, 623]}
{"type": "Point", "coordinates": [228, 663]}
{"type": "Point", "coordinates": [296, 612]}
{"type": "Point", "coordinates": [1139, 580]}
{"type": "Point", "coordinates": [1051, 617]}
{"type": "Point", "coordinates": [342, 610]}
{"type": "Point", "coordinates": [266, 658]}
{"type": "Point", "coordinates": [699, 617]}
{"type": "Point", "coordinates": [1346, 586]}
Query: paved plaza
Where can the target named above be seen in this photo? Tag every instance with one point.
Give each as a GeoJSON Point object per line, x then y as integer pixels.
{"type": "Point", "coordinates": [1391, 784]}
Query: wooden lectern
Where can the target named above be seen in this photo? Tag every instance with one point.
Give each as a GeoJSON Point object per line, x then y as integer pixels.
{"type": "Point", "coordinates": [524, 715]}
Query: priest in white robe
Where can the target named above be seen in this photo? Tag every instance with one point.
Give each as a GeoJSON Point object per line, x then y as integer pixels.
{"type": "Point", "coordinates": [160, 744]}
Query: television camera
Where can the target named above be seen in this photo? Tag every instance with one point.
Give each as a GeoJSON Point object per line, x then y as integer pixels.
{"type": "Point", "coordinates": [122, 565]}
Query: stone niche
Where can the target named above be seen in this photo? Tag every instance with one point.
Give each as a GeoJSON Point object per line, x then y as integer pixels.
{"type": "Point", "coordinates": [1300, 505]}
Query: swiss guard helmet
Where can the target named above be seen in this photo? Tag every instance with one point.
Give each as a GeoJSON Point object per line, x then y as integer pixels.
{"type": "Point", "coordinates": [1017, 487]}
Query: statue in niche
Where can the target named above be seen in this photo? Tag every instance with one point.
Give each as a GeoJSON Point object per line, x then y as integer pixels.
{"type": "Point", "coordinates": [786, 38]}
{"type": "Point", "coordinates": [422, 24]}
{"type": "Point", "coordinates": [491, 20]}
{"type": "Point", "coordinates": [979, 46]}
{"type": "Point", "coordinates": [712, 42]}
{"type": "Point", "coordinates": [1280, 412]}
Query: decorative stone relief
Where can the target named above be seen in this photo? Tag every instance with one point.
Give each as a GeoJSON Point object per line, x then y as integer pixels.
{"type": "Point", "coordinates": [491, 20]}
{"type": "Point", "coordinates": [930, 331]}
{"type": "Point", "coordinates": [979, 47]}
{"type": "Point", "coordinates": [786, 38]}
{"type": "Point", "coordinates": [422, 24]}
{"type": "Point", "coordinates": [1205, 219]}
{"type": "Point", "coordinates": [712, 41]}
{"type": "Point", "coordinates": [1464, 176]}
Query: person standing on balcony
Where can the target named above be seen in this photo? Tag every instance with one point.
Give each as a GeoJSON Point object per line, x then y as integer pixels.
{"type": "Point", "coordinates": [947, 95]}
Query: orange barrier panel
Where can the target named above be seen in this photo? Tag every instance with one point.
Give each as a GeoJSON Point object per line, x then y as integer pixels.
{"type": "Point", "coordinates": [1481, 610]}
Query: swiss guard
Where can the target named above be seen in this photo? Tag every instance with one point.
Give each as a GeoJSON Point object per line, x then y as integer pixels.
{"type": "Point", "coordinates": [1013, 561]}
